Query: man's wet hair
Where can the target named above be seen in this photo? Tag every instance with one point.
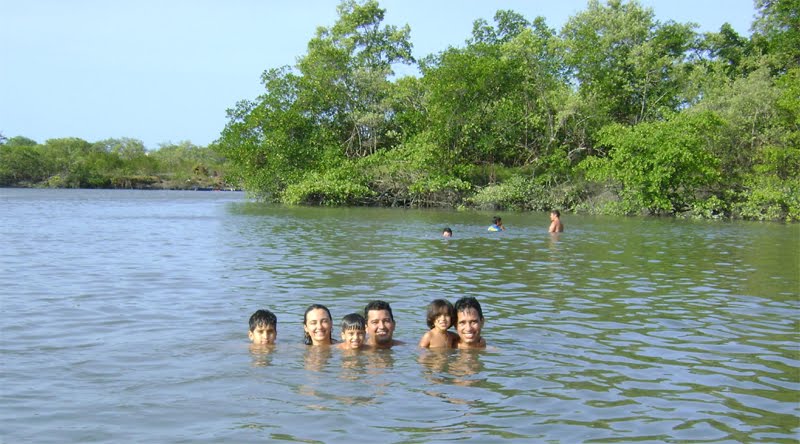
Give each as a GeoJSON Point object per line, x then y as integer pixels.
{"type": "Point", "coordinates": [466, 303]}
{"type": "Point", "coordinates": [378, 305]}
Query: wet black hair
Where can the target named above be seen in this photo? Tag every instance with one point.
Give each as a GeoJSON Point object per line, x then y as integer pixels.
{"type": "Point", "coordinates": [354, 321]}
{"type": "Point", "coordinates": [378, 305]}
{"type": "Point", "coordinates": [263, 317]}
{"type": "Point", "coordinates": [466, 303]}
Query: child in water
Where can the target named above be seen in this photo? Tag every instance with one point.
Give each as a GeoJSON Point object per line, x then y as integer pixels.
{"type": "Point", "coordinates": [447, 232]}
{"type": "Point", "coordinates": [354, 331]}
{"type": "Point", "coordinates": [497, 224]}
{"type": "Point", "coordinates": [441, 315]}
{"type": "Point", "coordinates": [263, 328]}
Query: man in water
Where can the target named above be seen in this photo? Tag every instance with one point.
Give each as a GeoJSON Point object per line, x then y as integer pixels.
{"type": "Point", "coordinates": [380, 325]}
{"type": "Point", "coordinates": [469, 323]}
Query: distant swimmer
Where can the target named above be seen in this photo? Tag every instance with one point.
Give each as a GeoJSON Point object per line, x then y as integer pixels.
{"type": "Point", "coordinates": [497, 224]}
{"type": "Point", "coordinates": [447, 232]}
{"type": "Point", "coordinates": [555, 222]}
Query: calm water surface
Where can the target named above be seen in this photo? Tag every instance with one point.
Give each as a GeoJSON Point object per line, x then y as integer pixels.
{"type": "Point", "coordinates": [124, 319]}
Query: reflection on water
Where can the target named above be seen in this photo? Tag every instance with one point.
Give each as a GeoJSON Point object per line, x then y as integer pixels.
{"type": "Point", "coordinates": [123, 315]}
{"type": "Point", "coordinates": [260, 354]}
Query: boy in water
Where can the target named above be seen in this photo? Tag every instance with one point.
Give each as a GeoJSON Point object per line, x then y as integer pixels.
{"type": "Point", "coordinates": [441, 315]}
{"type": "Point", "coordinates": [263, 328]}
{"type": "Point", "coordinates": [354, 331]}
{"type": "Point", "coordinates": [555, 222]}
{"type": "Point", "coordinates": [447, 232]}
{"type": "Point", "coordinates": [469, 323]}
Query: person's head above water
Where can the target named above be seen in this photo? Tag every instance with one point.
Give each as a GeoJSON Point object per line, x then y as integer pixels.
{"type": "Point", "coordinates": [317, 325]}
{"type": "Point", "coordinates": [497, 224]}
{"type": "Point", "coordinates": [263, 327]}
{"type": "Point", "coordinates": [380, 324]}
{"type": "Point", "coordinates": [437, 308]}
{"type": "Point", "coordinates": [447, 232]}
{"type": "Point", "coordinates": [469, 323]}
{"type": "Point", "coordinates": [354, 328]}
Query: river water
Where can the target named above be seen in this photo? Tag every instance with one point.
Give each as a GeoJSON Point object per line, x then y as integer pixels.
{"type": "Point", "coordinates": [124, 319]}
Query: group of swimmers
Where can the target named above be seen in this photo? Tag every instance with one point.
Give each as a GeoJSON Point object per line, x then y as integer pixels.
{"type": "Point", "coordinates": [375, 328]}
{"type": "Point", "coordinates": [556, 226]}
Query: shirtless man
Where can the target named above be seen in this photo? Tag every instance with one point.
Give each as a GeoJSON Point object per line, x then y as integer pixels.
{"type": "Point", "coordinates": [380, 325]}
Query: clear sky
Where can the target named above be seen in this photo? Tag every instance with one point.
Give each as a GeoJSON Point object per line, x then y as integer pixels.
{"type": "Point", "coordinates": [165, 71]}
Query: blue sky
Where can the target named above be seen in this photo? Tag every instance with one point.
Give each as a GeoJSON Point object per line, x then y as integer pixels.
{"type": "Point", "coordinates": [165, 71]}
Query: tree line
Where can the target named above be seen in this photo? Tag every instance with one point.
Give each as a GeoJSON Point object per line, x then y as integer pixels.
{"type": "Point", "coordinates": [111, 163]}
{"type": "Point", "coordinates": [615, 113]}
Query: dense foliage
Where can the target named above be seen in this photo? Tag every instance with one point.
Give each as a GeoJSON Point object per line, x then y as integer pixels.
{"type": "Point", "coordinates": [615, 113]}
{"type": "Point", "coordinates": [111, 163]}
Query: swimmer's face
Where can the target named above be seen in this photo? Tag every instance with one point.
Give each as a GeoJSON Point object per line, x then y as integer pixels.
{"type": "Point", "coordinates": [443, 321]}
{"type": "Point", "coordinates": [318, 326]}
{"type": "Point", "coordinates": [353, 338]}
{"type": "Point", "coordinates": [263, 334]}
{"type": "Point", "coordinates": [380, 326]}
{"type": "Point", "coordinates": [468, 326]}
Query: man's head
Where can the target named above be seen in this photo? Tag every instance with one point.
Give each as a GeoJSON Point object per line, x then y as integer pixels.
{"type": "Point", "coordinates": [380, 323]}
{"type": "Point", "coordinates": [469, 321]}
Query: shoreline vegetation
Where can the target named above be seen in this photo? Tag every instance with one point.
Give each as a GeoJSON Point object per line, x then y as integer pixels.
{"type": "Point", "coordinates": [615, 113]}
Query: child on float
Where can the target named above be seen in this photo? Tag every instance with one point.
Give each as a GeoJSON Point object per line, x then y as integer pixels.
{"type": "Point", "coordinates": [440, 317]}
{"type": "Point", "coordinates": [497, 224]}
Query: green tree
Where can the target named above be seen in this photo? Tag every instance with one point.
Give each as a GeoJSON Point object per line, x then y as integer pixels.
{"type": "Point", "coordinates": [777, 32]}
{"type": "Point", "coordinates": [20, 141]}
{"type": "Point", "coordinates": [625, 63]}
{"type": "Point", "coordinates": [662, 167]}
{"type": "Point", "coordinates": [334, 107]}
{"type": "Point", "coordinates": [20, 164]}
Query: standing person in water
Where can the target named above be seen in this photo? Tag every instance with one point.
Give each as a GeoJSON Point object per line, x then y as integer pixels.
{"type": "Point", "coordinates": [469, 323]}
{"type": "Point", "coordinates": [354, 332]}
{"type": "Point", "coordinates": [555, 222]}
{"type": "Point", "coordinates": [497, 224]}
{"type": "Point", "coordinates": [317, 326]}
{"type": "Point", "coordinates": [380, 325]}
{"type": "Point", "coordinates": [440, 318]}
